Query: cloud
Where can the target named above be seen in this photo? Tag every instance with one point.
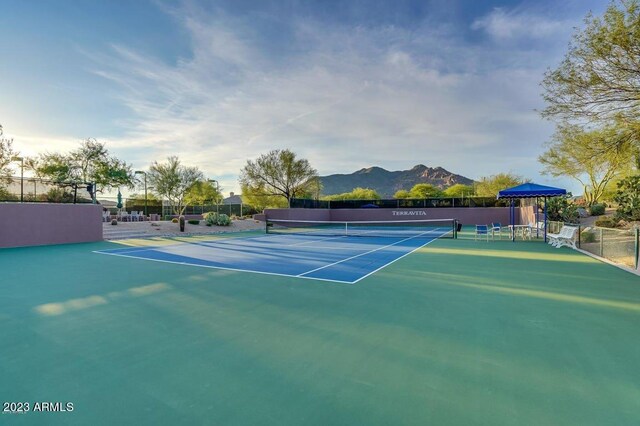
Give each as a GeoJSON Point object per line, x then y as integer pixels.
{"type": "Point", "coordinates": [502, 24]}
{"type": "Point", "coordinates": [343, 96]}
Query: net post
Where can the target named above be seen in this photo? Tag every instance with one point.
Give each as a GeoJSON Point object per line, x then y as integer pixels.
{"type": "Point", "coordinates": [266, 225]}
{"type": "Point", "coordinates": [455, 229]}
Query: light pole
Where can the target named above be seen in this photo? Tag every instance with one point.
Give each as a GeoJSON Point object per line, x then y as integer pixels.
{"type": "Point", "coordinates": [141, 172]}
{"type": "Point", "coordinates": [21, 160]}
{"type": "Point", "coordinates": [218, 192]}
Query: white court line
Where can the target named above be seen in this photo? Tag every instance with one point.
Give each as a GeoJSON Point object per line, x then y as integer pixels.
{"type": "Point", "coordinates": [274, 273]}
{"type": "Point", "coordinates": [225, 268]}
{"type": "Point", "coordinates": [315, 241]}
{"type": "Point", "coordinates": [336, 237]}
{"type": "Point", "coordinates": [358, 255]}
{"type": "Point", "coordinates": [394, 260]}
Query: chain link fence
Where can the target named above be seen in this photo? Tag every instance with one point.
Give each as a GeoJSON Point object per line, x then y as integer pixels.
{"type": "Point", "coordinates": [620, 246]}
{"type": "Point", "coordinates": [36, 190]}
{"type": "Point", "coordinates": [304, 203]}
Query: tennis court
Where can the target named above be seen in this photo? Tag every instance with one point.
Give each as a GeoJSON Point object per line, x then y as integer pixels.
{"type": "Point", "coordinates": [341, 252]}
{"type": "Point", "coordinates": [449, 332]}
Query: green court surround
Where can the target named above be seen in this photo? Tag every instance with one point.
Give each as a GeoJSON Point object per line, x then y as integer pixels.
{"type": "Point", "coordinates": [458, 333]}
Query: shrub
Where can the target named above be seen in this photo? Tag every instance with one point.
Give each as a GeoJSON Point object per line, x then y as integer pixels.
{"type": "Point", "coordinates": [607, 222]}
{"type": "Point", "coordinates": [174, 220]}
{"type": "Point", "coordinates": [588, 237]}
{"type": "Point", "coordinates": [218, 219]}
{"type": "Point", "coordinates": [59, 195]}
{"type": "Point", "coordinates": [167, 217]}
{"type": "Point", "coordinates": [596, 210]}
{"type": "Point", "coordinates": [628, 198]}
{"type": "Point", "coordinates": [194, 221]}
{"type": "Point", "coordinates": [561, 209]}
{"type": "Point", "coordinates": [114, 221]}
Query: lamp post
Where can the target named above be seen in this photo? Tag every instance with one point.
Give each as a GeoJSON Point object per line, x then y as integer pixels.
{"type": "Point", "coordinates": [141, 172]}
{"type": "Point", "coordinates": [21, 160]}
{"type": "Point", "coordinates": [217, 190]}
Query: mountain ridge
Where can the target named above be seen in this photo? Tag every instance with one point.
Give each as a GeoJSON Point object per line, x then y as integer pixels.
{"type": "Point", "coordinates": [386, 182]}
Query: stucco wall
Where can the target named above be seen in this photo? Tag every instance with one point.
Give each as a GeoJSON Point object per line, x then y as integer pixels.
{"type": "Point", "coordinates": [34, 224]}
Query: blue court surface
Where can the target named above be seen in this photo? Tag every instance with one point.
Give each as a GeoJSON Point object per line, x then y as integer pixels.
{"type": "Point", "coordinates": [341, 259]}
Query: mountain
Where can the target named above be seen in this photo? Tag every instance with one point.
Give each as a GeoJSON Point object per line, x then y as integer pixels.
{"type": "Point", "coordinates": [386, 182]}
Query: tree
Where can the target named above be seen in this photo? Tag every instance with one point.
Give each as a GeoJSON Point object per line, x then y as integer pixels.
{"type": "Point", "coordinates": [491, 185]}
{"type": "Point", "coordinates": [402, 194]}
{"type": "Point", "coordinates": [89, 163]}
{"type": "Point", "coordinates": [173, 181]}
{"type": "Point", "coordinates": [260, 201]}
{"type": "Point", "coordinates": [7, 153]}
{"type": "Point", "coordinates": [458, 190]}
{"type": "Point", "coordinates": [425, 190]}
{"type": "Point", "coordinates": [420, 190]}
{"type": "Point", "coordinates": [203, 192]}
{"type": "Point", "coordinates": [582, 155]}
{"type": "Point", "coordinates": [278, 174]}
{"type": "Point", "coordinates": [599, 78]}
{"type": "Point", "coordinates": [355, 194]}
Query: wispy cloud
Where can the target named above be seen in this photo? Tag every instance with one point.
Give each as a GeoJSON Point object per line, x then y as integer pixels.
{"type": "Point", "coordinates": [343, 96]}
{"type": "Point", "coordinates": [503, 24]}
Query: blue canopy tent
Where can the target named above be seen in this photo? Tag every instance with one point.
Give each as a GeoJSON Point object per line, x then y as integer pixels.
{"type": "Point", "coordinates": [531, 190]}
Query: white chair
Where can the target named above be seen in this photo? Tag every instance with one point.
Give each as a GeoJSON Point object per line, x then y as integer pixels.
{"type": "Point", "coordinates": [482, 230]}
{"type": "Point", "coordinates": [134, 216]}
{"type": "Point", "coordinates": [537, 230]}
{"type": "Point", "coordinates": [496, 227]}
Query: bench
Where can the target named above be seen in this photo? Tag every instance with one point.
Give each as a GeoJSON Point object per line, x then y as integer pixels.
{"type": "Point", "coordinates": [566, 237]}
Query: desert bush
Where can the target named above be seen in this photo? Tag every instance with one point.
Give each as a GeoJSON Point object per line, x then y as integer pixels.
{"type": "Point", "coordinates": [588, 237]}
{"type": "Point", "coordinates": [607, 222]}
{"type": "Point", "coordinates": [628, 198]}
{"type": "Point", "coordinates": [596, 210]}
{"type": "Point", "coordinates": [59, 195]}
{"type": "Point", "coordinates": [561, 209]}
{"type": "Point", "coordinates": [174, 220]}
{"type": "Point", "coordinates": [218, 219]}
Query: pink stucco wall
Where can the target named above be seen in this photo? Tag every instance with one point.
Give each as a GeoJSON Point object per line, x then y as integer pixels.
{"type": "Point", "coordinates": [34, 224]}
{"type": "Point", "coordinates": [466, 216]}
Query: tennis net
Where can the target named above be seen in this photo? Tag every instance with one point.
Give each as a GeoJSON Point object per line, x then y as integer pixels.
{"type": "Point", "coordinates": [438, 228]}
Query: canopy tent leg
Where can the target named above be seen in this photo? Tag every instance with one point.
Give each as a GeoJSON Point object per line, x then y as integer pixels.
{"type": "Point", "coordinates": [513, 221]}
{"type": "Point", "coordinates": [545, 219]}
{"type": "Point", "coordinates": [536, 207]}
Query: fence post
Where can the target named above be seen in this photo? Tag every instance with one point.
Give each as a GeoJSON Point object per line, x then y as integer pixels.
{"type": "Point", "coordinates": [601, 242]}
{"type": "Point", "coordinates": [579, 237]}
{"type": "Point", "coordinates": [637, 245]}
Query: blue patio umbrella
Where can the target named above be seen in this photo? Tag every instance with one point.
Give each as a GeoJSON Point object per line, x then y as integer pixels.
{"type": "Point", "coordinates": [119, 205]}
{"type": "Point", "coordinates": [531, 190]}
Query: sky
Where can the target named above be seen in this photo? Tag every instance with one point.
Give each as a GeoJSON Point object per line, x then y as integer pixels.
{"type": "Point", "coordinates": [344, 84]}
